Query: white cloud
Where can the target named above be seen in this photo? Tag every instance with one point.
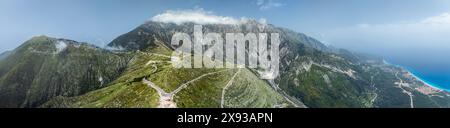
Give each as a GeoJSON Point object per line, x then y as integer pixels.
{"type": "Point", "coordinates": [60, 46]}
{"type": "Point", "coordinates": [443, 19]}
{"type": "Point", "coordinates": [198, 16]}
{"type": "Point", "coordinates": [267, 4]}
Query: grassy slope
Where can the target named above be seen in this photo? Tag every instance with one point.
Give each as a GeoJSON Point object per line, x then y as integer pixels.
{"type": "Point", "coordinates": [249, 91]}
{"type": "Point", "coordinates": [129, 91]}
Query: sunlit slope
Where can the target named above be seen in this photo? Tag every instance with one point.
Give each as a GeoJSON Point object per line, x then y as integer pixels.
{"type": "Point", "coordinates": [189, 87]}
{"type": "Point", "coordinates": [310, 72]}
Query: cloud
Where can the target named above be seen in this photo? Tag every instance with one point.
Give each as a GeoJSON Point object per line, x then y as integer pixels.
{"type": "Point", "coordinates": [196, 16]}
{"type": "Point", "coordinates": [443, 19]}
{"type": "Point", "coordinates": [426, 33]}
{"type": "Point", "coordinates": [268, 4]}
{"type": "Point", "coordinates": [199, 16]}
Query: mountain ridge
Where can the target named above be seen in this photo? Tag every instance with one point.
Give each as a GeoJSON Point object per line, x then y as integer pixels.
{"type": "Point", "coordinates": [4, 54]}
{"type": "Point", "coordinates": [311, 75]}
{"type": "Point", "coordinates": [44, 67]}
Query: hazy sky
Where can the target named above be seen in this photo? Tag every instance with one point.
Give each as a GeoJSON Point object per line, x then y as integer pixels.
{"type": "Point", "coordinates": [360, 25]}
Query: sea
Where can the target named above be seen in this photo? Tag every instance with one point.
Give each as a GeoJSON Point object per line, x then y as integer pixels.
{"type": "Point", "coordinates": [433, 71]}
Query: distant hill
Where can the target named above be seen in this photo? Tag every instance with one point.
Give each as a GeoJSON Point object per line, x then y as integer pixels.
{"type": "Point", "coordinates": [4, 54]}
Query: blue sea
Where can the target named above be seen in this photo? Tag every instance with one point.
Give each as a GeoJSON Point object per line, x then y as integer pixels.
{"type": "Point", "coordinates": [433, 71]}
{"type": "Point", "coordinates": [437, 79]}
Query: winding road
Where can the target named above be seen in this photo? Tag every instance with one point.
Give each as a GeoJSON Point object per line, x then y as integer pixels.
{"type": "Point", "coordinates": [222, 101]}
{"type": "Point", "coordinates": [166, 99]}
{"type": "Point", "coordinates": [400, 85]}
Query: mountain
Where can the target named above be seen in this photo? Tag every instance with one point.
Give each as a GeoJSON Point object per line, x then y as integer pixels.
{"type": "Point", "coordinates": [311, 75]}
{"type": "Point", "coordinates": [4, 54]}
{"type": "Point", "coordinates": [44, 67]}
{"type": "Point", "coordinates": [185, 87]}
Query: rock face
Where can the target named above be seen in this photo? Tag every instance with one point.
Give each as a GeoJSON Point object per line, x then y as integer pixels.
{"type": "Point", "coordinates": [150, 33]}
{"type": "Point", "coordinates": [43, 72]}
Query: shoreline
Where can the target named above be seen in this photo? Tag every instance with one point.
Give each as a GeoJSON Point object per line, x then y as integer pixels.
{"type": "Point", "coordinates": [427, 83]}
{"type": "Point", "coordinates": [417, 77]}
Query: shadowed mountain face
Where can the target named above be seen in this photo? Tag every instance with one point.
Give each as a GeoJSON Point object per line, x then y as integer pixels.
{"type": "Point", "coordinates": [4, 54]}
{"type": "Point", "coordinates": [47, 73]}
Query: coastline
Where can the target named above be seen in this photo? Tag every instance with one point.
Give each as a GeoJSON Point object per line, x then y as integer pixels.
{"type": "Point", "coordinates": [427, 83]}
{"type": "Point", "coordinates": [412, 73]}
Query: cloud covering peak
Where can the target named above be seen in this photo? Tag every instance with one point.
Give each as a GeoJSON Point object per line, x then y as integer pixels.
{"type": "Point", "coordinates": [198, 16]}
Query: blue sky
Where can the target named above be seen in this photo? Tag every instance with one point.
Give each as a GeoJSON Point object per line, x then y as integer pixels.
{"type": "Point", "coordinates": [411, 33]}
{"type": "Point", "coordinates": [99, 21]}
